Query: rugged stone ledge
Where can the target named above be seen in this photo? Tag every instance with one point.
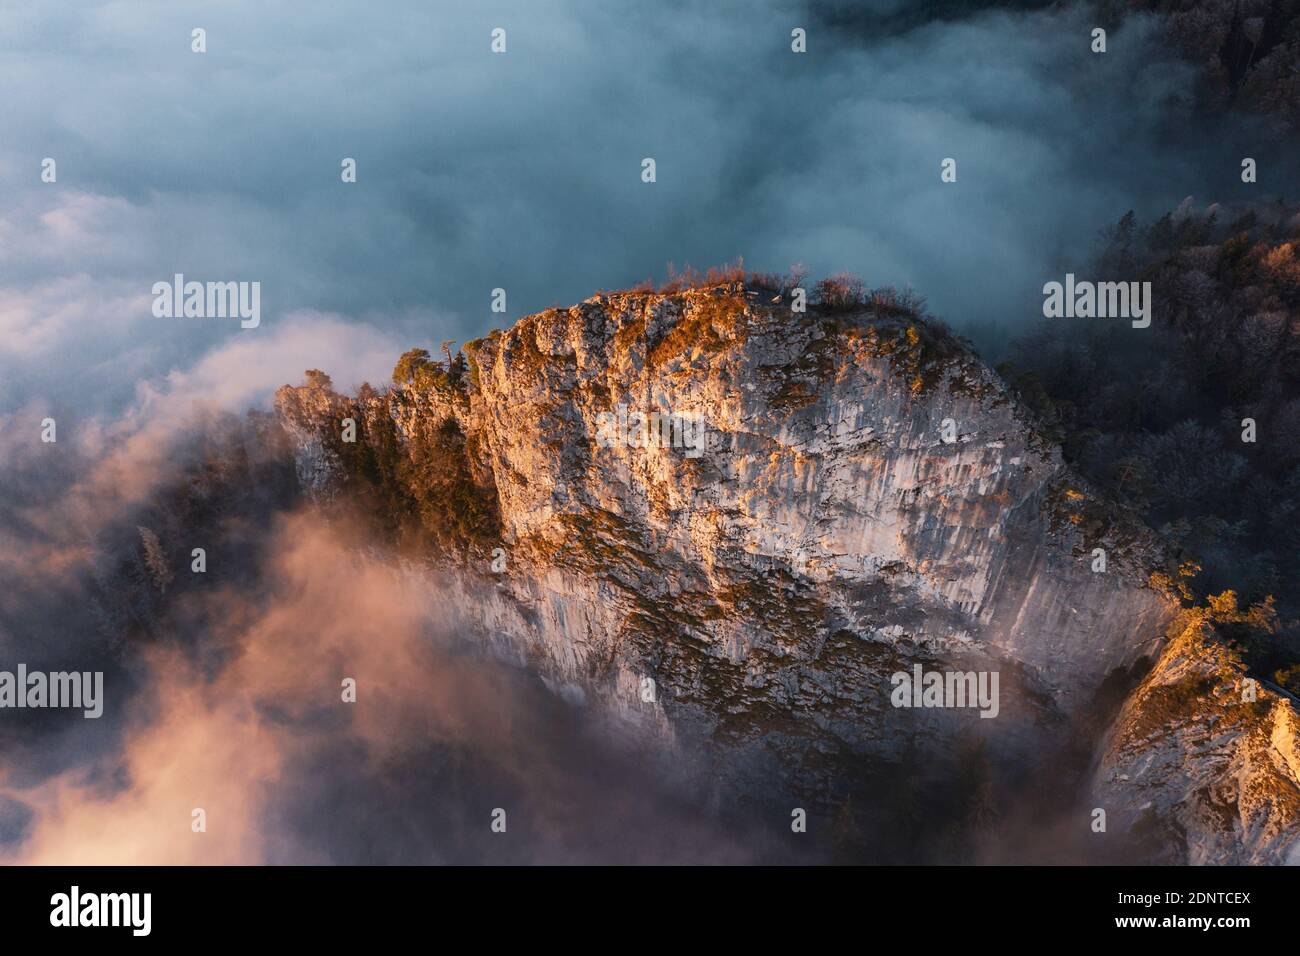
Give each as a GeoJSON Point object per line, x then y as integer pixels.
{"type": "Point", "coordinates": [827, 537]}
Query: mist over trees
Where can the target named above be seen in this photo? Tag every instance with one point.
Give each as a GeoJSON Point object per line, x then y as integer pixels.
{"type": "Point", "coordinates": [1249, 50]}
{"type": "Point", "coordinates": [1193, 423]}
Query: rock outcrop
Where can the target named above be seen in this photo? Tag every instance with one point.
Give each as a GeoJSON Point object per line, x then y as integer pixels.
{"type": "Point", "coordinates": [1203, 765]}
{"type": "Point", "coordinates": [827, 499]}
{"type": "Point", "coordinates": [729, 523]}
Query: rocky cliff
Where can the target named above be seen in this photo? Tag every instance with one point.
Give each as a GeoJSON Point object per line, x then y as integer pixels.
{"type": "Point", "coordinates": [1203, 764]}
{"type": "Point", "coordinates": [728, 523]}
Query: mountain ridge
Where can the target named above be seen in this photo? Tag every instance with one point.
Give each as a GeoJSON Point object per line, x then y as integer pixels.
{"type": "Point", "coordinates": [827, 538]}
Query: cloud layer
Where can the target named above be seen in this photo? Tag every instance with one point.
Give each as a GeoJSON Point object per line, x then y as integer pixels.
{"type": "Point", "coordinates": [522, 170]}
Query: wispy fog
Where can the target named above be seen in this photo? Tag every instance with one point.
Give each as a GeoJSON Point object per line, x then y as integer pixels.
{"type": "Point", "coordinates": [522, 170]}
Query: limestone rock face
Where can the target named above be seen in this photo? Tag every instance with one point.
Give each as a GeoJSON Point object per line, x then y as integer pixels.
{"type": "Point", "coordinates": [1202, 765]}
{"type": "Point", "coordinates": [318, 413]}
{"type": "Point", "coordinates": [825, 499]}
